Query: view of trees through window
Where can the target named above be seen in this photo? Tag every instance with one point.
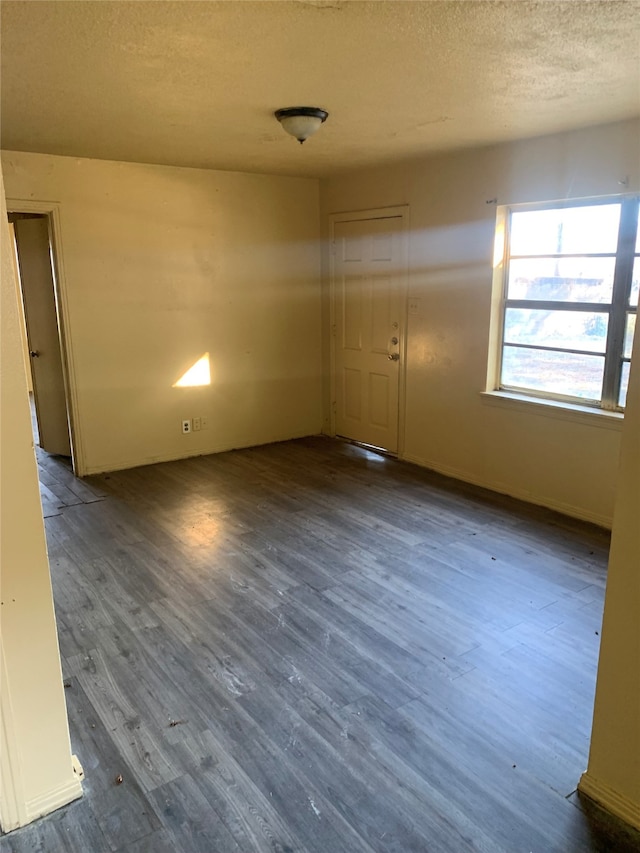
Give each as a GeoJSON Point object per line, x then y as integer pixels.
{"type": "Point", "coordinates": [571, 300]}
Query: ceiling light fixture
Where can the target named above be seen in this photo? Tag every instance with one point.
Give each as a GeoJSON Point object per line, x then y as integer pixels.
{"type": "Point", "coordinates": [301, 122]}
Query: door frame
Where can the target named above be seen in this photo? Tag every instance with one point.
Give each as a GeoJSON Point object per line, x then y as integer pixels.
{"type": "Point", "coordinates": [13, 809]}
{"type": "Point", "coordinates": [51, 209]}
{"type": "Point", "coordinates": [396, 212]}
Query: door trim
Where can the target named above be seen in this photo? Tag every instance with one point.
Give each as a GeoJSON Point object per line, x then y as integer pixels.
{"type": "Point", "coordinates": [52, 210]}
{"type": "Point", "coordinates": [396, 212]}
{"type": "Point", "coordinates": [13, 809]}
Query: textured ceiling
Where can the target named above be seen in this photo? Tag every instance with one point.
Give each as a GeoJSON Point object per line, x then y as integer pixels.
{"type": "Point", "coordinates": [196, 83]}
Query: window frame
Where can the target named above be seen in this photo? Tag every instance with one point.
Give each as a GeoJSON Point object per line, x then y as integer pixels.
{"type": "Point", "coordinates": [617, 310]}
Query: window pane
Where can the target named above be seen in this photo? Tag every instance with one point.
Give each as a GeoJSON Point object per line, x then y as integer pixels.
{"type": "Point", "coordinates": [628, 335]}
{"type": "Point", "coordinates": [570, 230]}
{"type": "Point", "coordinates": [635, 282]}
{"type": "Point", "coordinates": [565, 373]}
{"type": "Point", "coordinates": [624, 384]}
{"type": "Point", "coordinates": [562, 279]}
{"type": "Point", "coordinates": [582, 330]}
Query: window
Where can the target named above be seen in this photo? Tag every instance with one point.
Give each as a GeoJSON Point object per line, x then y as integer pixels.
{"type": "Point", "coordinates": [570, 300]}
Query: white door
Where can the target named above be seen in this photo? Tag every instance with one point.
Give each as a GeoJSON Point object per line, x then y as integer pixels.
{"type": "Point", "coordinates": [369, 274]}
{"type": "Point", "coordinates": [38, 296]}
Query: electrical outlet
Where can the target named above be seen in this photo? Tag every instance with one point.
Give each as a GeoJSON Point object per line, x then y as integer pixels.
{"type": "Point", "coordinates": [204, 422]}
{"type": "Point", "coordinates": [186, 426]}
{"type": "Point", "coordinates": [196, 424]}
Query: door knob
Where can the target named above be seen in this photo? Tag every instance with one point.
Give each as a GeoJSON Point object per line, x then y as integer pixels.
{"type": "Point", "coordinates": [394, 340]}
{"type": "Point", "coordinates": [394, 356]}
{"type": "Point", "coordinates": [34, 353]}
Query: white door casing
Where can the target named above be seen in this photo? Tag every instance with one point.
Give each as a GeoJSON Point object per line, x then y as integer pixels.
{"type": "Point", "coordinates": [368, 305]}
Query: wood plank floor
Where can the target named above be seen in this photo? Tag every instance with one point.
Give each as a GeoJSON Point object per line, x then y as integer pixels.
{"type": "Point", "coordinates": [311, 648]}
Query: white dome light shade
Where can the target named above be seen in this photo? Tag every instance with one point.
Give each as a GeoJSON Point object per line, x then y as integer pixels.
{"type": "Point", "coordinates": [301, 122]}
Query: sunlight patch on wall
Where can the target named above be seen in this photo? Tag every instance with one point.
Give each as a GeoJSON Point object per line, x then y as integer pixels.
{"type": "Point", "coordinates": [198, 374]}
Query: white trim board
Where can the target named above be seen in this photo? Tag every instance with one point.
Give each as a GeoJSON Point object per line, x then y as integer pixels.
{"type": "Point", "coordinates": [55, 799]}
{"type": "Point", "coordinates": [13, 810]}
{"type": "Point", "coordinates": [610, 799]}
{"type": "Point", "coordinates": [239, 444]}
{"type": "Point", "coordinates": [519, 494]}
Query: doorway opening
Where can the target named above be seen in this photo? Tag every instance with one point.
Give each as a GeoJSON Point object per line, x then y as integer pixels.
{"type": "Point", "coordinates": [43, 341]}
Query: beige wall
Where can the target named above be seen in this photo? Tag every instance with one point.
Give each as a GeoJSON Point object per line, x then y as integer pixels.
{"type": "Point", "coordinates": [561, 462]}
{"type": "Point", "coordinates": [161, 265]}
{"type": "Point", "coordinates": [35, 759]}
{"type": "Point", "coordinates": [613, 776]}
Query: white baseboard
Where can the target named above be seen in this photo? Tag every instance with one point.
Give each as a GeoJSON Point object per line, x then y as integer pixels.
{"type": "Point", "coordinates": [519, 494]}
{"type": "Point", "coordinates": [611, 800]}
{"type": "Point", "coordinates": [55, 799]}
{"type": "Point", "coordinates": [240, 444]}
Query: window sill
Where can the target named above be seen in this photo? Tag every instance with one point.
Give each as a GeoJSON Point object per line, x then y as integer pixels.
{"type": "Point", "coordinates": [554, 409]}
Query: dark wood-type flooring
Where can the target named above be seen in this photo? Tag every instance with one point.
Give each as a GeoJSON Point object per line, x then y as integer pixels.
{"type": "Point", "coordinates": [311, 648]}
